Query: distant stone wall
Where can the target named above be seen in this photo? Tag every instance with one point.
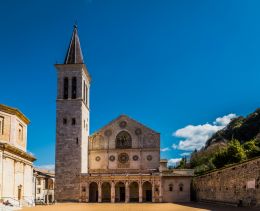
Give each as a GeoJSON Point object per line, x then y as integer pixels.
{"type": "Point", "coordinates": [238, 184]}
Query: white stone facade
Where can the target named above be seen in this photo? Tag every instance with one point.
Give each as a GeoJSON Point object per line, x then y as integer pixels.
{"type": "Point", "coordinates": [44, 186]}
{"type": "Point", "coordinates": [16, 171]}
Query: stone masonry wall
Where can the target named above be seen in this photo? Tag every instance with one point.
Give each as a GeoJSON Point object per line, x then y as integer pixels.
{"type": "Point", "coordinates": [238, 184]}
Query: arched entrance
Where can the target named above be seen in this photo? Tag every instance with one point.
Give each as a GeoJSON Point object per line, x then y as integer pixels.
{"type": "Point", "coordinates": [147, 192]}
{"type": "Point", "coordinates": [93, 192]}
{"type": "Point", "coordinates": [134, 192]}
{"type": "Point", "coordinates": [120, 192]}
{"type": "Point", "coordinates": [106, 192]}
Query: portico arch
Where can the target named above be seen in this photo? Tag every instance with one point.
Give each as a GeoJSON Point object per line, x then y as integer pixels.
{"type": "Point", "coordinates": [134, 192]}
{"type": "Point", "coordinates": [147, 192]}
{"type": "Point", "coordinates": [106, 192]}
{"type": "Point", "coordinates": [120, 192]}
{"type": "Point", "coordinates": [93, 192]}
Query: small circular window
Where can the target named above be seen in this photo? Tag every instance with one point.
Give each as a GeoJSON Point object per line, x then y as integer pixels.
{"type": "Point", "coordinates": [149, 157]}
{"type": "Point", "coordinates": [123, 124]}
{"type": "Point", "coordinates": [108, 132]}
{"type": "Point", "coordinates": [98, 158]}
{"type": "Point", "coordinates": [138, 131]}
{"type": "Point", "coordinates": [112, 157]}
{"type": "Point", "coordinates": [135, 157]}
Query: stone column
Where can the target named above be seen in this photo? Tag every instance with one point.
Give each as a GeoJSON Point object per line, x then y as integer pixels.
{"type": "Point", "coordinates": [113, 192]}
{"type": "Point", "coordinates": [99, 192]}
{"type": "Point", "coordinates": [160, 192]}
{"type": "Point", "coordinates": [87, 192]}
{"type": "Point", "coordinates": [140, 192]}
{"type": "Point", "coordinates": [153, 192]}
{"type": "Point", "coordinates": [127, 192]}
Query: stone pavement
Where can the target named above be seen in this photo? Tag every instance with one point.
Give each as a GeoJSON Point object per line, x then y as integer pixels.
{"type": "Point", "coordinates": [133, 207]}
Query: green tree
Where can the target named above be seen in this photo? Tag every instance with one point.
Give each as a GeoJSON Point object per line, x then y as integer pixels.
{"type": "Point", "coordinates": [251, 148]}
{"type": "Point", "coordinates": [182, 163]}
{"type": "Point", "coordinates": [235, 152]}
{"type": "Point", "coordinates": [220, 159]}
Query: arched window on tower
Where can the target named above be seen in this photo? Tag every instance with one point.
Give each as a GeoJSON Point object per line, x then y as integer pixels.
{"type": "Point", "coordinates": [170, 187]}
{"type": "Point", "coordinates": [123, 140]}
{"type": "Point", "coordinates": [65, 88]}
{"type": "Point", "coordinates": [180, 187]}
{"type": "Point", "coordinates": [74, 88]}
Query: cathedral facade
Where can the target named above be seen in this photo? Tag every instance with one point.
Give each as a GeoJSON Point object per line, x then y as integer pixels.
{"type": "Point", "coordinates": [118, 163]}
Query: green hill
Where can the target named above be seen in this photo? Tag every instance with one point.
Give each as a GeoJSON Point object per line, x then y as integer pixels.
{"type": "Point", "coordinates": [242, 129]}
{"type": "Point", "coordinates": [238, 141]}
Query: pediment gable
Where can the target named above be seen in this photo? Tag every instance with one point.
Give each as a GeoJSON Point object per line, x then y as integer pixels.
{"type": "Point", "coordinates": [124, 122]}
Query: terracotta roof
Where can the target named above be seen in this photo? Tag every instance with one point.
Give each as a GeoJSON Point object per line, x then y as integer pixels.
{"type": "Point", "coordinates": [74, 54]}
{"type": "Point", "coordinates": [44, 171]}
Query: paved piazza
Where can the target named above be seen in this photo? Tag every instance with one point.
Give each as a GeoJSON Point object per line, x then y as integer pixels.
{"type": "Point", "coordinates": [131, 207]}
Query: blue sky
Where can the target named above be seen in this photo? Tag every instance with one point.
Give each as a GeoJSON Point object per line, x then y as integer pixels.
{"type": "Point", "coordinates": [175, 66]}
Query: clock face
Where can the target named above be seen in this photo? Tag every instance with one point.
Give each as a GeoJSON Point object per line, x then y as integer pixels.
{"type": "Point", "coordinates": [123, 158]}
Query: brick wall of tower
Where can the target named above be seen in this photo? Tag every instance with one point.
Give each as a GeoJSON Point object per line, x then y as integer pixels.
{"type": "Point", "coordinates": [71, 139]}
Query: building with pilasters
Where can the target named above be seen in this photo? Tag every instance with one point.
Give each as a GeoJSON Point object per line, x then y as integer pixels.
{"type": "Point", "coordinates": [118, 163]}
{"type": "Point", "coordinates": [16, 164]}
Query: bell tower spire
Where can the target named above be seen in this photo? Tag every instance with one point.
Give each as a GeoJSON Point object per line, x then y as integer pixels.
{"type": "Point", "coordinates": [72, 122]}
{"type": "Point", "coordinates": [74, 54]}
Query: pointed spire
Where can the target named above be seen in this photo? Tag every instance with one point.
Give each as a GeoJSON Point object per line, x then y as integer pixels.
{"type": "Point", "coordinates": [74, 53]}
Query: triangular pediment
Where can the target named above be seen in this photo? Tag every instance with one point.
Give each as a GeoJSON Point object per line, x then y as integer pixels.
{"type": "Point", "coordinates": [124, 122]}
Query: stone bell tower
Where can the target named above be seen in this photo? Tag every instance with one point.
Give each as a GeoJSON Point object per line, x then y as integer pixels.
{"type": "Point", "coordinates": [72, 122]}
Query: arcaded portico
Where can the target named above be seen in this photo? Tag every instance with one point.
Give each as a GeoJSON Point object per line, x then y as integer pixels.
{"type": "Point", "coordinates": [127, 188]}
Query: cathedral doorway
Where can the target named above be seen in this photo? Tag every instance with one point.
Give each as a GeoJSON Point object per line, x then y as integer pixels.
{"type": "Point", "coordinates": [134, 192]}
{"type": "Point", "coordinates": [120, 192]}
{"type": "Point", "coordinates": [147, 192]}
{"type": "Point", "coordinates": [93, 192]}
{"type": "Point", "coordinates": [106, 192]}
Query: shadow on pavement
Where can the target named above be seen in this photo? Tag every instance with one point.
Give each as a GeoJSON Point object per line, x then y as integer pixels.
{"type": "Point", "coordinates": [215, 207]}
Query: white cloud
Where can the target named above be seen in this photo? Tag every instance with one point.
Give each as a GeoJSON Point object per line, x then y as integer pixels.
{"type": "Point", "coordinates": [173, 161]}
{"type": "Point", "coordinates": [195, 136]}
{"type": "Point", "coordinates": [165, 149]}
{"type": "Point", "coordinates": [174, 146]}
{"type": "Point", "coordinates": [185, 154]}
{"type": "Point", "coordinates": [49, 167]}
{"type": "Point", "coordinates": [223, 121]}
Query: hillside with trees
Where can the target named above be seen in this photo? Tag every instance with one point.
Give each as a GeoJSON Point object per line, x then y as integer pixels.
{"type": "Point", "coordinates": [237, 142]}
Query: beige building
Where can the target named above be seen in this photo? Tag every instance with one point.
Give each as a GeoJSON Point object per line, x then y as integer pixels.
{"type": "Point", "coordinates": [44, 186]}
{"type": "Point", "coordinates": [118, 163]}
{"type": "Point", "coordinates": [16, 171]}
